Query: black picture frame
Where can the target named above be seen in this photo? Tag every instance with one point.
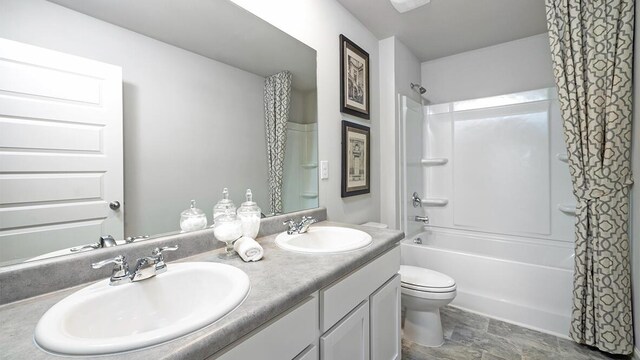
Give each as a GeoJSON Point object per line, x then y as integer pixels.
{"type": "Point", "coordinates": [356, 144]}
{"type": "Point", "coordinates": [355, 96]}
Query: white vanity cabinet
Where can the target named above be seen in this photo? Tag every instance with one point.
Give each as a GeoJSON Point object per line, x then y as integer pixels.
{"type": "Point", "coordinates": [355, 318]}
{"type": "Point", "coordinates": [368, 295]}
{"type": "Point", "coordinates": [292, 335]}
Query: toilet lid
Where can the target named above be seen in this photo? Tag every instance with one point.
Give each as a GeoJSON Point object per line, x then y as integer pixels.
{"type": "Point", "coordinates": [424, 279]}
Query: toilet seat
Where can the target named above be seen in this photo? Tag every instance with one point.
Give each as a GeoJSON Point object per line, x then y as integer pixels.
{"type": "Point", "coordinates": [428, 289]}
{"type": "Point", "coordinates": [425, 280]}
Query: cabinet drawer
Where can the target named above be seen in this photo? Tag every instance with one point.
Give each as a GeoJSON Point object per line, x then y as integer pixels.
{"type": "Point", "coordinates": [281, 338]}
{"type": "Point", "coordinates": [338, 299]}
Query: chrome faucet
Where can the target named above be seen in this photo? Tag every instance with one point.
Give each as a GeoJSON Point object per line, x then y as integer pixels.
{"type": "Point", "coordinates": [120, 273]}
{"type": "Point", "coordinates": [146, 267]}
{"type": "Point", "coordinates": [300, 227]}
{"type": "Point", "coordinates": [105, 242]}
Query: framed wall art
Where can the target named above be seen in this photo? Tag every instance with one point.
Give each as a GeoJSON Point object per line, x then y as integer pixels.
{"type": "Point", "coordinates": [354, 79]}
{"type": "Point", "coordinates": [356, 163]}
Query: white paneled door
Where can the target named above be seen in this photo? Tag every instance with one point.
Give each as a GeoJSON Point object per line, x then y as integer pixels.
{"type": "Point", "coordinates": [61, 160]}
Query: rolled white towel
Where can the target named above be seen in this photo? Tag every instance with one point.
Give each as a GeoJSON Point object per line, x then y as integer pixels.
{"type": "Point", "coordinates": [248, 249]}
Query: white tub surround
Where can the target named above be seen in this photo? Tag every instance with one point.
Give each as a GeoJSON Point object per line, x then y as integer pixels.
{"type": "Point", "coordinates": [498, 197]}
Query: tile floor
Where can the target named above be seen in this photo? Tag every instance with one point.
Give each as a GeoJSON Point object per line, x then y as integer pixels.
{"type": "Point", "coordinates": [469, 336]}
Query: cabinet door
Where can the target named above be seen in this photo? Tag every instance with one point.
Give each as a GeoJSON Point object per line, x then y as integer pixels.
{"type": "Point", "coordinates": [310, 353]}
{"type": "Point", "coordinates": [349, 339]}
{"type": "Point", "coordinates": [385, 321]}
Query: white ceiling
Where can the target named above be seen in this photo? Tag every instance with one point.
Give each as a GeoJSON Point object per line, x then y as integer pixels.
{"type": "Point", "coordinates": [446, 27]}
{"type": "Point", "coordinates": [217, 29]}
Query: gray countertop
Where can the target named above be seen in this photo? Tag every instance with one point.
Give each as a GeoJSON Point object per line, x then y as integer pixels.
{"type": "Point", "coordinates": [278, 282]}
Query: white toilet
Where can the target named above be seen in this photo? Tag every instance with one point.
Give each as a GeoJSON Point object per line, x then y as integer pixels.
{"type": "Point", "coordinates": [424, 292]}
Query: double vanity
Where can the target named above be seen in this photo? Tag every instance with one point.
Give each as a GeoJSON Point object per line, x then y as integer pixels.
{"type": "Point", "coordinates": [330, 293]}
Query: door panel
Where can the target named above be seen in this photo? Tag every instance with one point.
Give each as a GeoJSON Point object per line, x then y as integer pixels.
{"type": "Point", "coordinates": [61, 159]}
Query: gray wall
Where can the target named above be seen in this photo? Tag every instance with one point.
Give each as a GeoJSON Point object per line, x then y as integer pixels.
{"type": "Point", "coordinates": [318, 23]}
{"type": "Point", "coordinates": [399, 67]}
{"type": "Point", "coordinates": [192, 125]}
{"type": "Point", "coordinates": [514, 66]}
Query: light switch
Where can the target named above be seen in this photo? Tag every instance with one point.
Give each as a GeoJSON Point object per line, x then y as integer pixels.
{"type": "Point", "coordinates": [324, 170]}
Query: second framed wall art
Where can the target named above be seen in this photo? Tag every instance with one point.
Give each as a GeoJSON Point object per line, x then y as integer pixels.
{"type": "Point", "coordinates": [356, 159]}
{"type": "Point", "coordinates": [354, 79]}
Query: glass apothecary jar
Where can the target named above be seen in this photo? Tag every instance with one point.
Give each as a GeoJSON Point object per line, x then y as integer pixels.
{"type": "Point", "coordinates": [193, 218]}
{"type": "Point", "coordinates": [249, 214]}
{"type": "Point", "coordinates": [223, 205]}
{"type": "Point", "coordinates": [227, 228]}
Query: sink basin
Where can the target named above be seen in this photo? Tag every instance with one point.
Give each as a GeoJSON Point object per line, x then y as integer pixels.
{"type": "Point", "coordinates": [104, 319]}
{"type": "Point", "coordinates": [324, 239]}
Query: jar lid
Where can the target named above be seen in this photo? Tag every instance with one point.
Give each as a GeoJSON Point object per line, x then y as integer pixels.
{"type": "Point", "coordinates": [192, 210]}
{"type": "Point", "coordinates": [249, 206]}
{"type": "Point", "coordinates": [225, 203]}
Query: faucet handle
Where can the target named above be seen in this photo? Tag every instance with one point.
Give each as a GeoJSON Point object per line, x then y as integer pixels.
{"type": "Point", "coordinates": [118, 261]}
{"type": "Point", "coordinates": [120, 273]}
{"type": "Point", "coordinates": [130, 239]}
{"type": "Point", "coordinates": [158, 251]}
{"type": "Point", "coordinates": [161, 266]}
{"type": "Point", "coordinates": [292, 226]}
{"type": "Point", "coordinates": [88, 246]}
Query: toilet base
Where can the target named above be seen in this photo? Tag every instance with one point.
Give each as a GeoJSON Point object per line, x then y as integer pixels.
{"type": "Point", "coordinates": [423, 327]}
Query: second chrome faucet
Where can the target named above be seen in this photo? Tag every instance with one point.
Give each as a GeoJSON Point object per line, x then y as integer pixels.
{"type": "Point", "coordinates": [146, 267]}
{"type": "Point", "coordinates": [299, 227]}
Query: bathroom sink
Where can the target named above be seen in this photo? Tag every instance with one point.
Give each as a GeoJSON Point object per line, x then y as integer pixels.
{"type": "Point", "coordinates": [324, 239]}
{"type": "Point", "coordinates": [104, 319]}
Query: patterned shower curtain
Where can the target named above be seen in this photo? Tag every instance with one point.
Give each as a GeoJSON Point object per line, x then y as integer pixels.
{"type": "Point", "coordinates": [592, 49]}
{"type": "Point", "coordinates": [277, 96]}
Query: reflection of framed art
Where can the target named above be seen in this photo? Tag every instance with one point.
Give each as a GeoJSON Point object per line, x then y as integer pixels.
{"type": "Point", "coordinates": [354, 79]}
{"type": "Point", "coordinates": [356, 162]}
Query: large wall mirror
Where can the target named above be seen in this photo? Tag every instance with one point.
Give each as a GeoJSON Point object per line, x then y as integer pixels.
{"type": "Point", "coordinates": [203, 100]}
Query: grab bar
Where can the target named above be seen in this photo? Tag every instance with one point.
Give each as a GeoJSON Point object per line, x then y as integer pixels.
{"type": "Point", "coordinates": [418, 202]}
{"type": "Point", "coordinates": [434, 161]}
{"type": "Point", "coordinates": [567, 209]}
{"type": "Point", "coordinates": [435, 202]}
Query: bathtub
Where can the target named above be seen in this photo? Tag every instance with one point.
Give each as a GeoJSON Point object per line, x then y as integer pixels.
{"type": "Point", "coordinates": [523, 281]}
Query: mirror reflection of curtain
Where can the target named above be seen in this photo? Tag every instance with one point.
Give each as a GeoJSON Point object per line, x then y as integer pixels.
{"type": "Point", "coordinates": [592, 48]}
{"type": "Point", "coordinates": [277, 100]}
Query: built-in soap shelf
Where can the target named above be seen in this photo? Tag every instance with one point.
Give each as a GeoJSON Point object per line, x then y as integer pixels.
{"type": "Point", "coordinates": [562, 157]}
{"type": "Point", "coordinates": [309, 165]}
{"type": "Point", "coordinates": [309, 195]}
{"type": "Point", "coordinates": [434, 161]}
{"type": "Point", "coordinates": [567, 209]}
{"type": "Point", "coordinates": [435, 202]}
